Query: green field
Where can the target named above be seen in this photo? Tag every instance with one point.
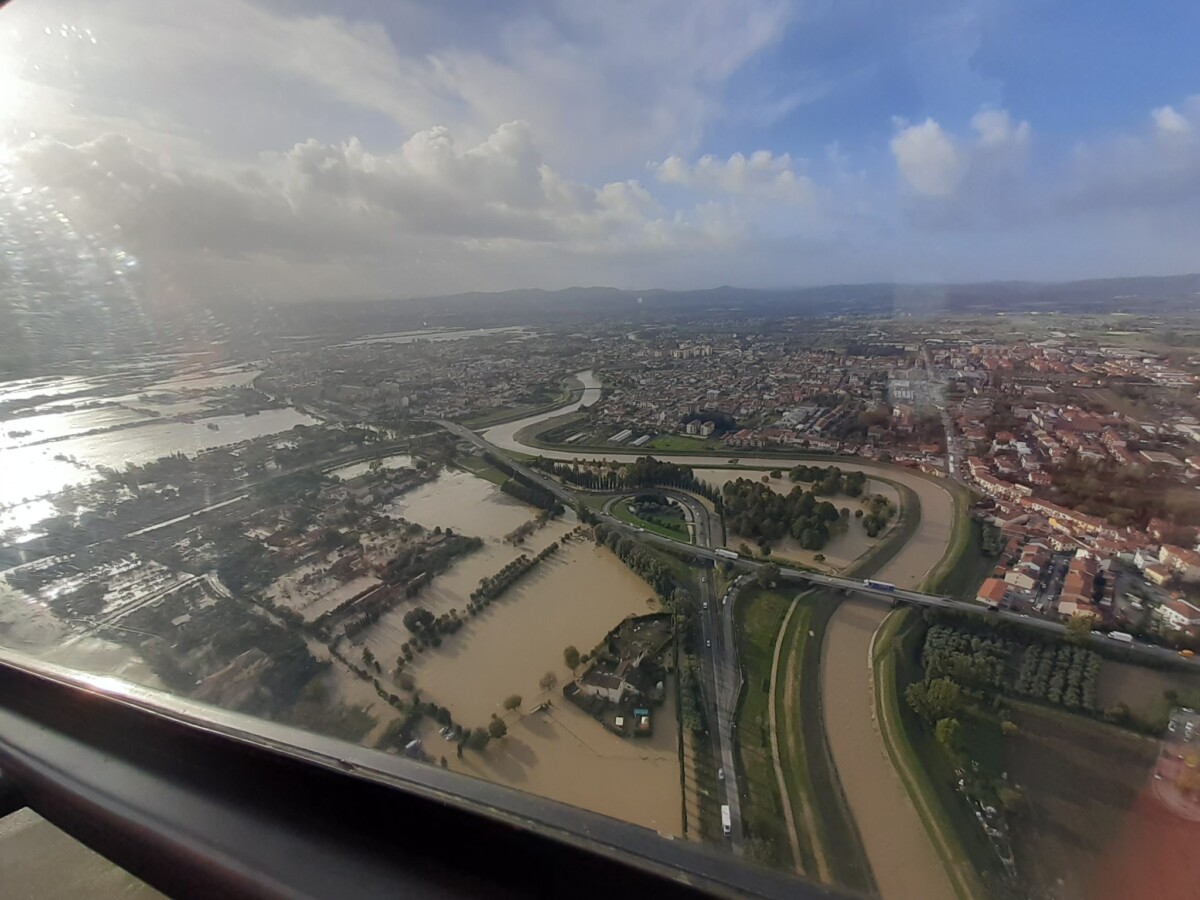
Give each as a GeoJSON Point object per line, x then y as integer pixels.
{"type": "Point", "coordinates": [481, 468]}
{"type": "Point", "coordinates": [757, 619]}
{"type": "Point", "coordinates": [809, 771]}
{"type": "Point", "coordinates": [669, 527]}
{"type": "Point", "coordinates": [681, 443]}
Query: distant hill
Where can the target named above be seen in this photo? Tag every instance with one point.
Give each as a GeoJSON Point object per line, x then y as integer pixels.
{"type": "Point", "coordinates": [54, 327]}
{"type": "Point", "coordinates": [1166, 294]}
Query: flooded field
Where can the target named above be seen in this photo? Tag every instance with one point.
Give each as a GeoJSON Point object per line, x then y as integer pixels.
{"type": "Point", "coordinates": [28, 626]}
{"type": "Point", "coordinates": [574, 597]}
{"type": "Point", "coordinates": [50, 467]}
{"type": "Point", "coordinates": [397, 461]}
{"type": "Point", "coordinates": [843, 547]}
{"type": "Point", "coordinates": [564, 754]}
{"type": "Point", "coordinates": [467, 504]}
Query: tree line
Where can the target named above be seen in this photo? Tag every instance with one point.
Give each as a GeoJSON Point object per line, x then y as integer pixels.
{"type": "Point", "coordinates": [641, 562]}
{"type": "Point", "coordinates": [492, 587]}
{"type": "Point", "coordinates": [521, 486]}
{"type": "Point", "coordinates": [646, 471]}
{"type": "Point", "coordinates": [414, 568]}
{"type": "Point", "coordinates": [982, 664]}
{"type": "Point", "coordinates": [1065, 675]}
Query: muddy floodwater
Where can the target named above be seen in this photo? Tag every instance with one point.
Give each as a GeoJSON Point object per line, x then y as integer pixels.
{"type": "Point", "coordinates": [899, 850]}
{"type": "Point", "coordinates": [464, 503]}
{"type": "Point", "coordinates": [902, 857]}
{"type": "Point", "coordinates": [574, 597]}
{"type": "Point", "coordinates": [564, 754]}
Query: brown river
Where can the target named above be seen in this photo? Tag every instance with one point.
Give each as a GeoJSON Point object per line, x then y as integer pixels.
{"type": "Point", "coordinates": [900, 852]}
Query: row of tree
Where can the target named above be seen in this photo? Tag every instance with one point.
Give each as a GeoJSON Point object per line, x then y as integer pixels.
{"type": "Point", "coordinates": [524, 488]}
{"type": "Point", "coordinates": [534, 495]}
{"type": "Point", "coordinates": [646, 471]}
{"type": "Point", "coordinates": [642, 562]}
{"type": "Point", "coordinates": [420, 571]}
{"type": "Point", "coordinates": [492, 586]}
{"type": "Point", "coordinates": [1065, 675]}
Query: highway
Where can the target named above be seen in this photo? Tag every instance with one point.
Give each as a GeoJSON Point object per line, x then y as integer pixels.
{"type": "Point", "coordinates": [1147, 652]}
{"type": "Point", "coordinates": [720, 673]}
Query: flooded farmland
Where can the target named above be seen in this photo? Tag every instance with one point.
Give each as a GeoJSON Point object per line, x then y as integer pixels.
{"type": "Point", "coordinates": [464, 503]}
{"type": "Point", "coordinates": [565, 755]}
{"type": "Point", "coordinates": [574, 597]}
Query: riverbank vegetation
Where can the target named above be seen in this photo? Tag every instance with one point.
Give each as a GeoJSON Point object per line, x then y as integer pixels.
{"type": "Point", "coordinates": [829, 480]}
{"type": "Point", "coordinates": [754, 510]}
{"type": "Point", "coordinates": [641, 561]}
{"type": "Point", "coordinates": [522, 487]}
{"type": "Point", "coordinates": [757, 619]}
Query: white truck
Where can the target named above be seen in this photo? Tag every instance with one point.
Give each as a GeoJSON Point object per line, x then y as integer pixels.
{"type": "Point", "coordinates": [726, 821]}
{"type": "Point", "coordinates": [1121, 636]}
{"type": "Point", "coordinates": [725, 554]}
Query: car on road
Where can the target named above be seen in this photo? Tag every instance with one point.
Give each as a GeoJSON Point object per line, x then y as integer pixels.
{"type": "Point", "coordinates": [704, 605]}
{"type": "Point", "coordinates": [721, 773]}
{"type": "Point", "coordinates": [708, 643]}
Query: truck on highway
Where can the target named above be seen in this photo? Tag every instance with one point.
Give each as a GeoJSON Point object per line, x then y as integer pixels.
{"type": "Point", "coordinates": [878, 585]}
{"type": "Point", "coordinates": [1121, 636]}
{"type": "Point", "coordinates": [725, 554]}
{"type": "Point", "coordinates": [726, 822]}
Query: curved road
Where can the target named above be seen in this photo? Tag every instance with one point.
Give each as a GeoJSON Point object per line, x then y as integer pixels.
{"type": "Point", "coordinates": [901, 855]}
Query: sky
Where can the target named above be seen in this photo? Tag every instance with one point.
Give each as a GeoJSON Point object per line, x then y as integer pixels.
{"type": "Point", "coordinates": [302, 150]}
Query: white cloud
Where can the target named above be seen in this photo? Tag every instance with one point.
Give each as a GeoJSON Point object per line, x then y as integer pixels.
{"type": "Point", "coordinates": [761, 174]}
{"type": "Point", "coordinates": [995, 129]}
{"type": "Point", "coordinates": [598, 84]}
{"type": "Point", "coordinates": [928, 159]}
{"type": "Point", "coordinates": [1168, 121]}
{"type": "Point", "coordinates": [450, 217]}
{"type": "Point", "coordinates": [338, 197]}
{"type": "Point", "coordinates": [938, 166]}
{"type": "Point", "coordinates": [1155, 170]}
